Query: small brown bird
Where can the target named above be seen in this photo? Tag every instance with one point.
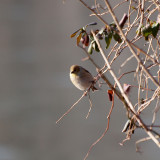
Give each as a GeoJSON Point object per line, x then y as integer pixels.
{"type": "Point", "coordinates": [81, 78]}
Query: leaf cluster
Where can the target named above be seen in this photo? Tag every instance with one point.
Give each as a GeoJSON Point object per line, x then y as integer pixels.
{"type": "Point", "coordinates": [106, 34]}
{"type": "Point", "coordinates": [150, 29]}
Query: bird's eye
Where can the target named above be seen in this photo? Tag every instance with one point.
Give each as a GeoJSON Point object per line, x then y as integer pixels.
{"type": "Point", "coordinates": [75, 70]}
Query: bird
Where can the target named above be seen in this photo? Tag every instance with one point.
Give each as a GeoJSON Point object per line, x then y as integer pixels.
{"type": "Point", "coordinates": [81, 78]}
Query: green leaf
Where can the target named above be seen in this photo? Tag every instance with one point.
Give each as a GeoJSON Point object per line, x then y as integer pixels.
{"type": "Point", "coordinates": [108, 39]}
{"type": "Point", "coordinates": [150, 29]}
{"type": "Point", "coordinates": [146, 31]}
{"type": "Point", "coordinates": [95, 46]}
{"type": "Point", "coordinates": [91, 37]}
{"type": "Point", "coordinates": [83, 29]}
{"type": "Point", "coordinates": [155, 28]}
{"type": "Point", "coordinates": [117, 37]}
{"type": "Point", "coordinates": [90, 48]}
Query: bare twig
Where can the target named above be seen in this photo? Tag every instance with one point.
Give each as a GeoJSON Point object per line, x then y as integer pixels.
{"type": "Point", "coordinates": [113, 8]}
{"type": "Point", "coordinates": [99, 17]}
{"type": "Point", "coordinates": [90, 107]}
{"type": "Point", "coordinates": [108, 117]}
{"type": "Point", "coordinates": [129, 45]}
{"type": "Point", "coordinates": [143, 140]}
{"type": "Point", "coordinates": [72, 106]}
{"type": "Point", "coordinates": [139, 13]}
{"type": "Point", "coordinates": [116, 80]}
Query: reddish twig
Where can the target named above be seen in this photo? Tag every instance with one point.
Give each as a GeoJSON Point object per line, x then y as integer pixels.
{"type": "Point", "coordinates": [108, 117]}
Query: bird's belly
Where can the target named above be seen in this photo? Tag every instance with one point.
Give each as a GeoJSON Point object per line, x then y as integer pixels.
{"type": "Point", "coordinates": [81, 84]}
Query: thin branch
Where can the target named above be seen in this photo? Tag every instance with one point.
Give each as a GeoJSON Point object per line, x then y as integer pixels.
{"type": "Point", "coordinates": [143, 140]}
{"type": "Point", "coordinates": [118, 94]}
{"type": "Point", "coordinates": [90, 107]}
{"type": "Point", "coordinates": [104, 133]}
{"type": "Point", "coordinates": [112, 73]}
{"type": "Point", "coordinates": [72, 106]}
{"type": "Point", "coordinates": [113, 8]}
{"type": "Point", "coordinates": [157, 5]}
{"type": "Point", "coordinates": [129, 45]}
{"type": "Point", "coordinates": [94, 13]}
{"type": "Point", "coordinates": [149, 57]}
{"type": "Point", "coordinates": [119, 85]}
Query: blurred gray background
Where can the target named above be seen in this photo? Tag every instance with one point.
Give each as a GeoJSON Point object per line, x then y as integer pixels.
{"type": "Point", "coordinates": [36, 52]}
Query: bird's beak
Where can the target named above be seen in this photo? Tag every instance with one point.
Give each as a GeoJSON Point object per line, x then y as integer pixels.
{"type": "Point", "coordinates": [72, 72]}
